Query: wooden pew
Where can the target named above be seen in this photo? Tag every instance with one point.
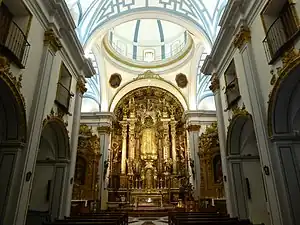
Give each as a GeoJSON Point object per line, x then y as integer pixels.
{"type": "Point", "coordinates": [204, 218]}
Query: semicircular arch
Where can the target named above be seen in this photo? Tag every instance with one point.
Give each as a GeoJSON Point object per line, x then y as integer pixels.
{"type": "Point", "coordinates": [241, 139]}
{"type": "Point", "coordinates": [284, 109]}
{"type": "Point", "coordinates": [159, 83]}
{"type": "Point", "coordinates": [56, 133]}
{"type": "Point", "coordinates": [12, 106]}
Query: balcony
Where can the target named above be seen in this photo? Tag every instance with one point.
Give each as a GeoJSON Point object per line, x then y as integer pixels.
{"type": "Point", "coordinates": [281, 34]}
{"type": "Point", "coordinates": [63, 97]}
{"type": "Point", "coordinates": [13, 42]}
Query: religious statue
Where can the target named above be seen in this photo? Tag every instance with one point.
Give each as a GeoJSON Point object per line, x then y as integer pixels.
{"type": "Point", "coordinates": [148, 145]}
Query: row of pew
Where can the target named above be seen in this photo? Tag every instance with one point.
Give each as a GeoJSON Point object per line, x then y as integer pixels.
{"type": "Point", "coordinates": [202, 218]}
{"type": "Point", "coordinates": [94, 219]}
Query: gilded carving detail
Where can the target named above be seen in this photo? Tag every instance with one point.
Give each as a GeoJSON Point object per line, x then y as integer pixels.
{"type": "Point", "coordinates": [86, 173]}
{"type": "Point", "coordinates": [81, 86]}
{"type": "Point", "coordinates": [215, 83]}
{"type": "Point", "coordinates": [239, 111]}
{"type": "Point", "coordinates": [52, 40]}
{"type": "Point", "coordinates": [243, 37]}
{"type": "Point", "coordinates": [54, 116]}
{"type": "Point", "coordinates": [210, 161]}
{"type": "Point", "coordinates": [290, 61]}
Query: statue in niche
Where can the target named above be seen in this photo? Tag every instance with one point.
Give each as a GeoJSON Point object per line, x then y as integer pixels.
{"type": "Point", "coordinates": [148, 144]}
{"type": "Point", "coordinates": [116, 151]}
{"type": "Point", "coordinates": [218, 174]}
{"type": "Point", "coordinates": [80, 171]}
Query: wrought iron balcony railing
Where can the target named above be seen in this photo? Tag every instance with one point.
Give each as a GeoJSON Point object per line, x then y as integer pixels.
{"type": "Point", "coordinates": [63, 97]}
{"type": "Point", "coordinates": [13, 42]}
{"type": "Point", "coordinates": [281, 33]}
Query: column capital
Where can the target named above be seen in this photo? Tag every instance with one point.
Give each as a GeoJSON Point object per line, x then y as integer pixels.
{"type": "Point", "coordinates": [215, 83]}
{"type": "Point", "coordinates": [104, 129]}
{"type": "Point", "coordinates": [80, 86]}
{"type": "Point", "coordinates": [242, 37]}
{"type": "Point", "coordinates": [51, 40]}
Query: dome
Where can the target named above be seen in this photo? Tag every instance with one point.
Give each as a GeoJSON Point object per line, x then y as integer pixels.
{"type": "Point", "coordinates": [134, 41]}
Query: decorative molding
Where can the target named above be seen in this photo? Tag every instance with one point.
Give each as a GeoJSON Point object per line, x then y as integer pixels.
{"type": "Point", "coordinates": [50, 39]}
{"type": "Point", "coordinates": [81, 86]}
{"type": "Point", "coordinates": [239, 112]}
{"type": "Point", "coordinates": [148, 75]}
{"type": "Point", "coordinates": [115, 80]}
{"type": "Point", "coordinates": [215, 83]}
{"type": "Point", "coordinates": [243, 37]}
{"type": "Point", "coordinates": [181, 80]}
{"type": "Point", "coordinates": [55, 117]}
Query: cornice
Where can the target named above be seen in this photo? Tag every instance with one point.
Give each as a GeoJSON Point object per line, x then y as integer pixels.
{"type": "Point", "coordinates": [55, 14]}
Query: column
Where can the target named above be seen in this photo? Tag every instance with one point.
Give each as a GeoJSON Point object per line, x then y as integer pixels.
{"type": "Point", "coordinates": [131, 147]}
{"type": "Point", "coordinates": [51, 46]}
{"type": "Point", "coordinates": [104, 130]}
{"type": "Point", "coordinates": [166, 141]}
{"type": "Point", "coordinates": [173, 136]}
{"type": "Point", "coordinates": [267, 156]}
{"type": "Point", "coordinates": [193, 126]}
{"type": "Point", "coordinates": [124, 147]}
{"type": "Point", "coordinates": [74, 142]}
{"type": "Point", "coordinates": [215, 88]}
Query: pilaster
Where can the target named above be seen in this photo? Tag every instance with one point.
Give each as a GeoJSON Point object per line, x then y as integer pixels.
{"type": "Point", "coordinates": [51, 46]}
{"type": "Point", "coordinates": [215, 88]}
{"type": "Point", "coordinates": [267, 159]}
{"type": "Point", "coordinates": [104, 131]}
{"type": "Point", "coordinates": [74, 142]}
{"type": "Point", "coordinates": [193, 124]}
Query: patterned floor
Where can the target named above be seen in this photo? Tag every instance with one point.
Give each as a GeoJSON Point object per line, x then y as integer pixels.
{"type": "Point", "coordinates": [148, 221]}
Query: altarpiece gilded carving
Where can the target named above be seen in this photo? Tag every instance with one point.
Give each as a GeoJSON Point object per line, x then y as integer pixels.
{"type": "Point", "coordinates": [148, 156]}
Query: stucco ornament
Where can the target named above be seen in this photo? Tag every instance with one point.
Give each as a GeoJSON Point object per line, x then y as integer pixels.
{"type": "Point", "coordinates": [181, 80]}
{"type": "Point", "coordinates": [115, 80]}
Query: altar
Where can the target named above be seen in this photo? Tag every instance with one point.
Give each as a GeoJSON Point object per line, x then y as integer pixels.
{"type": "Point", "coordinates": [148, 157]}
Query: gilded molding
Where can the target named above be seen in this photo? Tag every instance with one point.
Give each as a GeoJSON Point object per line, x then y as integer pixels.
{"type": "Point", "coordinates": [55, 117]}
{"type": "Point", "coordinates": [243, 37]}
{"type": "Point", "coordinates": [239, 112]}
{"type": "Point", "coordinates": [15, 86]}
{"type": "Point", "coordinates": [290, 61]}
{"type": "Point", "coordinates": [81, 86]}
{"type": "Point", "coordinates": [209, 141]}
{"type": "Point", "coordinates": [215, 83]}
{"type": "Point", "coordinates": [50, 39]}
{"type": "Point", "coordinates": [193, 127]}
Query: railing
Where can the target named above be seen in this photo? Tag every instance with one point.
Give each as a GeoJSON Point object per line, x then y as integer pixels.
{"type": "Point", "coordinates": [280, 33]}
{"type": "Point", "coordinates": [181, 47]}
{"type": "Point", "coordinates": [63, 97]}
{"type": "Point", "coordinates": [14, 43]}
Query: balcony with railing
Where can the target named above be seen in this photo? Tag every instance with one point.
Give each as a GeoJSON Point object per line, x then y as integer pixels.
{"type": "Point", "coordinates": [13, 41]}
{"type": "Point", "coordinates": [63, 97]}
{"type": "Point", "coordinates": [281, 34]}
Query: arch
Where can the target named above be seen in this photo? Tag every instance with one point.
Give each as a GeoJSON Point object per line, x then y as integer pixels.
{"type": "Point", "coordinates": [283, 109]}
{"type": "Point", "coordinates": [147, 82]}
{"type": "Point", "coordinates": [240, 135]}
{"type": "Point", "coordinates": [13, 135]}
{"type": "Point", "coordinates": [50, 176]}
{"type": "Point", "coordinates": [12, 108]}
{"type": "Point", "coordinates": [55, 132]}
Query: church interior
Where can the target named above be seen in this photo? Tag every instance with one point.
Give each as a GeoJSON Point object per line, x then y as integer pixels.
{"type": "Point", "coordinates": [149, 112]}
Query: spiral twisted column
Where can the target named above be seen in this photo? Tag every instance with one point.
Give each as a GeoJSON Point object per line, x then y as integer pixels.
{"type": "Point", "coordinates": [124, 147]}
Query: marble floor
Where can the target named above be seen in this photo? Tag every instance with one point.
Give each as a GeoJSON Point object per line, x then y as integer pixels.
{"type": "Point", "coordinates": [148, 220]}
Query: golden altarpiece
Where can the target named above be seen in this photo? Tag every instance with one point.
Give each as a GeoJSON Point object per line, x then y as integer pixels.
{"type": "Point", "coordinates": [85, 188]}
{"type": "Point", "coordinates": [148, 157]}
{"type": "Point", "coordinates": [212, 188]}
